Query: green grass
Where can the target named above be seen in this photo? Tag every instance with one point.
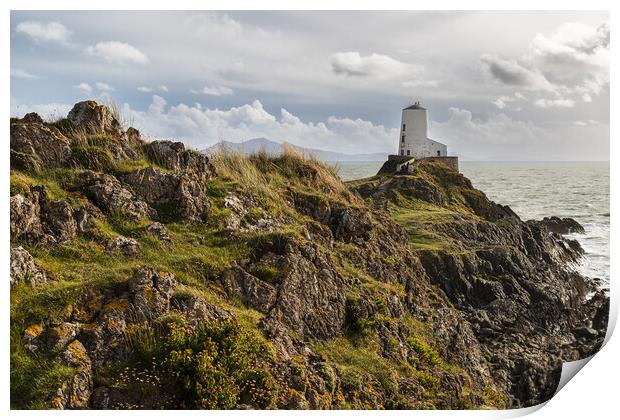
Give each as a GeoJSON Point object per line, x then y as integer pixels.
{"type": "Point", "coordinates": [56, 181]}
{"type": "Point", "coordinates": [267, 273]}
{"type": "Point", "coordinates": [34, 378]}
{"type": "Point", "coordinates": [358, 358]}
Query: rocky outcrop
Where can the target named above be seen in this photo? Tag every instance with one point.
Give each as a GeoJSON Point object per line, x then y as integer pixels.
{"type": "Point", "coordinates": [176, 196]}
{"type": "Point", "coordinates": [123, 245]}
{"type": "Point", "coordinates": [35, 146]}
{"type": "Point", "coordinates": [94, 118]}
{"type": "Point", "coordinates": [561, 226]}
{"type": "Point", "coordinates": [106, 192]}
{"type": "Point", "coordinates": [252, 291]}
{"type": "Point", "coordinates": [311, 294]}
{"type": "Point", "coordinates": [99, 327]}
{"type": "Point", "coordinates": [75, 393]}
{"type": "Point", "coordinates": [42, 222]}
{"type": "Point", "coordinates": [511, 279]}
{"type": "Point", "coordinates": [24, 269]}
{"type": "Point", "coordinates": [174, 156]}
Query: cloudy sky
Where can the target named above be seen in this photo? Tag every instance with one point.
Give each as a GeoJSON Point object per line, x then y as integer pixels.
{"type": "Point", "coordinates": [498, 85]}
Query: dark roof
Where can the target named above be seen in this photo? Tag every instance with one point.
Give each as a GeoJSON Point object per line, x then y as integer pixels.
{"type": "Point", "coordinates": [415, 106]}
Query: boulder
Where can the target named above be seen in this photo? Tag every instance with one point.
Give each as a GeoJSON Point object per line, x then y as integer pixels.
{"type": "Point", "coordinates": [24, 269]}
{"type": "Point", "coordinates": [94, 118]}
{"type": "Point", "coordinates": [123, 245]}
{"type": "Point", "coordinates": [32, 337]}
{"type": "Point", "coordinates": [57, 337]}
{"type": "Point", "coordinates": [25, 221]}
{"type": "Point", "coordinates": [43, 222]}
{"type": "Point", "coordinates": [174, 156]}
{"type": "Point", "coordinates": [177, 196]}
{"type": "Point", "coordinates": [59, 219]}
{"type": "Point", "coordinates": [109, 194]}
{"type": "Point", "coordinates": [32, 118]}
{"type": "Point", "coordinates": [35, 146]}
{"type": "Point", "coordinates": [151, 293]}
{"type": "Point", "coordinates": [562, 226]}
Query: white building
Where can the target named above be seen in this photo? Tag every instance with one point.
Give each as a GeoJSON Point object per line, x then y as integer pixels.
{"type": "Point", "coordinates": [414, 140]}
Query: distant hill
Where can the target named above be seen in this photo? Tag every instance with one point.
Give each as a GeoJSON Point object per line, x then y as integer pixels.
{"type": "Point", "coordinates": [275, 148]}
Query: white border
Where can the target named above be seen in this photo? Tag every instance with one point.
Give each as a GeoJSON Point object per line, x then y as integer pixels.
{"type": "Point", "coordinates": [592, 394]}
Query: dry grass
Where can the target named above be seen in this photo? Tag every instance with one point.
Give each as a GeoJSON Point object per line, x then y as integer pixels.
{"type": "Point", "coordinates": [268, 176]}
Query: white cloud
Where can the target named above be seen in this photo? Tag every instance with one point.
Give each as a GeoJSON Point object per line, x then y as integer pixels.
{"type": "Point", "coordinates": [214, 91]}
{"type": "Point", "coordinates": [201, 127]}
{"type": "Point", "coordinates": [117, 52]}
{"type": "Point", "coordinates": [48, 112]}
{"type": "Point", "coordinates": [44, 31]}
{"type": "Point", "coordinates": [83, 87]}
{"type": "Point", "coordinates": [552, 103]}
{"type": "Point", "coordinates": [502, 101]}
{"type": "Point", "coordinates": [352, 63]}
{"type": "Point", "coordinates": [575, 57]}
{"type": "Point", "coordinates": [22, 74]}
{"type": "Point", "coordinates": [513, 73]}
{"type": "Point", "coordinates": [148, 89]}
{"type": "Point", "coordinates": [104, 87]}
{"type": "Point", "coordinates": [499, 137]}
{"type": "Point", "coordinates": [571, 62]}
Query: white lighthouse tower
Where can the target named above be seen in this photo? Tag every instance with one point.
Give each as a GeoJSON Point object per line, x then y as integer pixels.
{"type": "Point", "coordinates": [413, 140]}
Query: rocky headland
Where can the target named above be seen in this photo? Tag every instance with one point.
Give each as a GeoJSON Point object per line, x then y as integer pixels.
{"type": "Point", "coordinates": [147, 275]}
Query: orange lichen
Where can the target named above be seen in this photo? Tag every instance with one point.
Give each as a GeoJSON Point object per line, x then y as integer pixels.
{"type": "Point", "coordinates": [116, 305]}
{"type": "Point", "coordinates": [56, 403]}
{"type": "Point", "coordinates": [34, 330]}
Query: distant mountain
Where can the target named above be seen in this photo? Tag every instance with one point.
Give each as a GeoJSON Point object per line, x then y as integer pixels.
{"type": "Point", "coordinates": [275, 148]}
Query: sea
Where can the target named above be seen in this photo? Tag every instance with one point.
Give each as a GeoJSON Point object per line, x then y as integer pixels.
{"type": "Point", "coordinates": [537, 189]}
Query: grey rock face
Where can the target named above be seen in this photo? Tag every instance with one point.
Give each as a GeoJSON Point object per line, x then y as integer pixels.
{"type": "Point", "coordinates": [43, 222]}
{"type": "Point", "coordinates": [176, 195]}
{"type": "Point", "coordinates": [35, 146]}
{"type": "Point", "coordinates": [252, 291]}
{"type": "Point", "coordinates": [24, 269]}
{"type": "Point", "coordinates": [561, 226]}
{"type": "Point", "coordinates": [123, 245]}
{"type": "Point", "coordinates": [151, 293]}
{"type": "Point", "coordinates": [174, 156]}
{"type": "Point", "coordinates": [94, 118]}
{"type": "Point", "coordinates": [111, 196]}
{"type": "Point", "coordinates": [311, 294]}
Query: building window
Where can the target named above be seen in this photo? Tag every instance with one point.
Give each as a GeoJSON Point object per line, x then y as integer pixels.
{"type": "Point", "coordinates": [438, 152]}
{"type": "Point", "coordinates": [404, 127]}
{"type": "Point", "coordinates": [402, 140]}
{"type": "Point", "coordinates": [402, 152]}
{"type": "Point", "coordinates": [408, 152]}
